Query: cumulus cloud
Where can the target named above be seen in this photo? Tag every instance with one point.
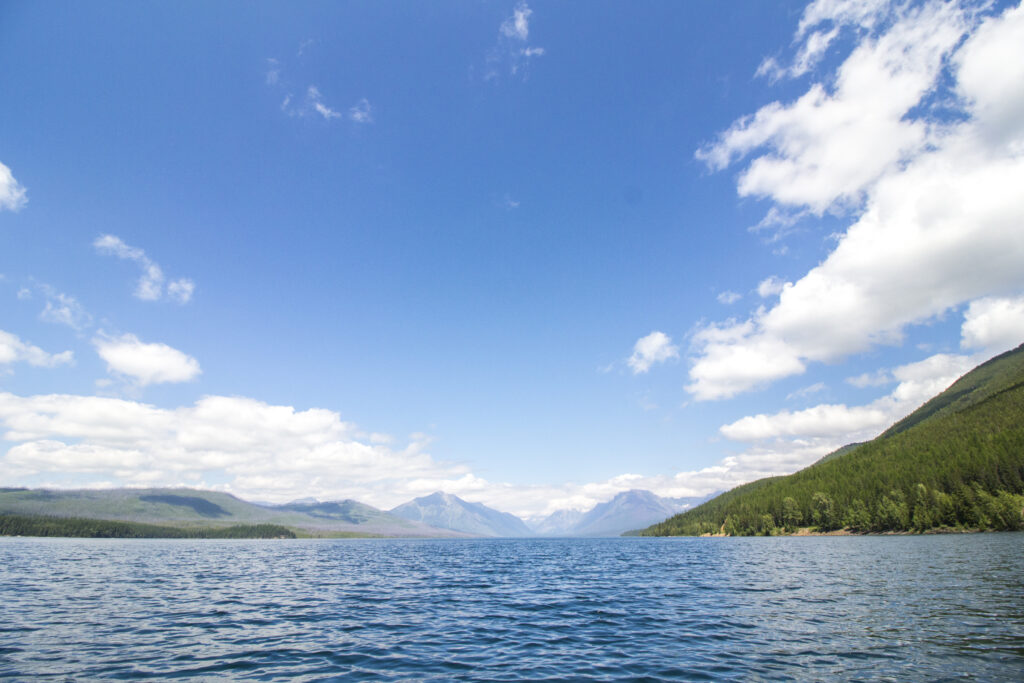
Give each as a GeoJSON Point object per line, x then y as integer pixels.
{"type": "Point", "coordinates": [655, 348]}
{"type": "Point", "coordinates": [990, 72]}
{"type": "Point", "coordinates": [518, 25]}
{"type": "Point", "coordinates": [265, 451]}
{"type": "Point", "coordinates": [831, 143]}
{"type": "Point", "coordinates": [770, 287]}
{"type": "Point", "coordinates": [143, 363]}
{"type": "Point", "coordinates": [14, 350]}
{"type": "Point", "coordinates": [150, 286]}
{"type": "Point", "coordinates": [918, 382]}
{"type": "Point", "coordinates": [12, 193]}
{"type": "Point", "coordinates": [938, 206]}
{"type": "Point", "coordinates": [995, 324]}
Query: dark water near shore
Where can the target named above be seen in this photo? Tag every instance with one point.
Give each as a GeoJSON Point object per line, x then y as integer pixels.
{"type": "Point", "coordinates": [896, 608]}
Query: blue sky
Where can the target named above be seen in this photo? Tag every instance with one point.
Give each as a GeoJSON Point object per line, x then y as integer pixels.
{"type": "Point", "coordinates": [532, 254]}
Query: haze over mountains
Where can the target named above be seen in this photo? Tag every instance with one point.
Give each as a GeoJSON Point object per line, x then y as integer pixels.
{"type": "Point", "coordinates": [445, 511]}
{"type": "Point", "coordinates": [627, 511]}
{"type": "Point", "coordinates": [212, 509]}
{"type": "Point", "coordinates": [437, 515]}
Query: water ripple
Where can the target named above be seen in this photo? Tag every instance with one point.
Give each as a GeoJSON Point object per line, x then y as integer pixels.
{"type": "Point", "coordinates": [904, 608]}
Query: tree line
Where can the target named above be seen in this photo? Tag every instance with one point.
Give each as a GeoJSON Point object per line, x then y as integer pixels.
{"type": "Point", "coordinates": [39, 525]}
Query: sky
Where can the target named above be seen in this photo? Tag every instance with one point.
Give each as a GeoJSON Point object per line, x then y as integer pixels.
{"type": "Point", "coordinates": [532, 254]}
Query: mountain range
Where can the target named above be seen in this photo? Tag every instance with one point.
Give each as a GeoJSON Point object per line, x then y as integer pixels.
{"type": "Point", "coordinates": [193, 508]}
{"type": "Point", "coordinates": [445, 511]}
{"type": "Point", "coordinates": [627, 511]}
{"type": "Point", "coordinates": [437, 515]}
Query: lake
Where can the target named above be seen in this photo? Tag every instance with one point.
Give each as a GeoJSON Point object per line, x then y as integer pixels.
{"type": "Point", "coordinates": [897, 608]}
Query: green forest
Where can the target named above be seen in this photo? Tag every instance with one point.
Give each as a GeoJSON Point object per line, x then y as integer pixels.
{"type": "Point", "coordinates": [956, 463]}
{"type": "Point", "coordinates": [38, 525]}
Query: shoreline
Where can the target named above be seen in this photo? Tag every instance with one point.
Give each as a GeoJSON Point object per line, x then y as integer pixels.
{"type": "Point", "coordinates": [809, 531]}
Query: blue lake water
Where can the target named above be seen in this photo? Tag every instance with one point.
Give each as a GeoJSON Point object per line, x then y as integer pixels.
{"type": "Point", "coordinates": [890, 608]}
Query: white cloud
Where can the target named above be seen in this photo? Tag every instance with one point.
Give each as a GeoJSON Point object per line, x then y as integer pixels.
{"type": "Point", "coordinates": [918, 382]}
{"type": "Point", "coordinates": [315, 100]}
{"type": "Point", "coordinates": [13, 196]}
{"type": "Point", "coordinates": [361, 112]}
{"type": "Point", "coordinates": [871, 379]}
{"type": "Point", "coordinates": [990, 74]}
{"type": "Point", "coordinates": [655, 348]}
{"type": "Point", "coordinates": [734, 359]}
{"type": "Point", "coordinates": [863, 14]}
{"type": "Point", "coordinates": [940, 209]}
{"type": "Point", "coordinates": [59, 308]}
{"type": "Point", "coordinates": [770, 287]}
{"type": "Point", "coordinates": [265, 451]}
{"type": "Point", "coordinates": [181, 290]}
{"type": "Point", "coordinates": [804, 392]}
{"type": "Point", "coordinates": [995, 324]}
{"type": "Point", "coordinates": [14, 350]}
{"type": "Point", "coordinates": [313, 104]}
{"type": "Point", "coordinates": [518, 25]}
{"type": "Point", "coordinates": [780, 222]}
{"type": "Point", "coordinates": [511, 52]}
{"type": "Point", "coordinates": [144, 363]}
{"type": "Point", "coordinates": [728, 297]}
{"type": "Point", "coordinates": [273, 71]}
{"type": "Point", "coordinates": [829, 145]}
{"type": "Point", "coordinates": [150, 286]}
{"type": "Point", "coordinates": [64, 310]}
{"type": "Point", "coordinates": [835, 15]}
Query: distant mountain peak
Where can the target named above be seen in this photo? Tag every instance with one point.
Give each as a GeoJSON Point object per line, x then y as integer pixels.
{"type": "Point", "coordinates": [448, 511]}
{"type": "Point", "coordinates": [626, 511]}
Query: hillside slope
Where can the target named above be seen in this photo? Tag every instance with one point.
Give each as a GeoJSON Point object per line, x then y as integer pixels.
{"type": "Point", "coordinates": [957, 461]}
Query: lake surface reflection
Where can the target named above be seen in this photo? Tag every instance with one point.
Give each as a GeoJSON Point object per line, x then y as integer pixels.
{"type": "Point", "coordinates": [898, 608]}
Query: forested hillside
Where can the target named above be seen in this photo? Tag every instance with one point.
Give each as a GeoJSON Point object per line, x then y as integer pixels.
{"type": "Point", "coordinates": [956, 462]}
{"type": "Point", "coordinates": [39, 525]}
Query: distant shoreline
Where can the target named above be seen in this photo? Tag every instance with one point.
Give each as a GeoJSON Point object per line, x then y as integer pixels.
{"type": "Point", "coordinates": [806, 531]}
